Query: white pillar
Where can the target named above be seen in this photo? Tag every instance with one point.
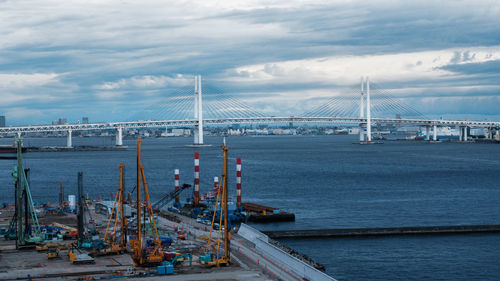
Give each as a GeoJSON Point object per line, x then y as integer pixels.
{"type": "Point", "coordinates": [196, 108]}
{"type": "Point", "coordinates": [465, 133]}
{"type": "Point", "coordinates": [200, 112]}
{"type": "Point", "coordinates": [368, 113]}
{"type": "Point", "coordinates": [362, 112]}
{"type": "Point", "coordinates": [69, 143]}
{"type": "Point", "coordinates": [427, 133]}
{"type": "Point", "coordinates": [18, 135]}
{"type": "Point", "coordinates": [434, 134]}
{"type": "Point", "coordinates": [460, 133]}
{"type": "Point", "coordinates": [119, 139]}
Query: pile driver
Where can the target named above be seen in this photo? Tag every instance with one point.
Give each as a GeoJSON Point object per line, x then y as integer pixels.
{"type": "Point", "coordinates": [117, 245]}
{"type": "Point", "coordinates": [141, 255]}
{"type": "Point", "coordinates": [217, 259]}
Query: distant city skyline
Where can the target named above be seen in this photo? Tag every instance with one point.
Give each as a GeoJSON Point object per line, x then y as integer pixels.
{"type": "Point", "coordinates": [109, 60]}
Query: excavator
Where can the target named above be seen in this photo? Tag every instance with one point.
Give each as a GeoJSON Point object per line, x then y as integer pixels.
{"type": "Point", "coordinates": [141, 255]}
{"type": "Point", "coordinates": [216, 258]}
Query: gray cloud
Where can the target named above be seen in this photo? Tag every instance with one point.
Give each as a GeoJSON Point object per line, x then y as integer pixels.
{"type": "Point", "coordinates": [115, 43]}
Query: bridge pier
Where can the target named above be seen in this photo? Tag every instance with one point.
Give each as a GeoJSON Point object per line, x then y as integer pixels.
{"type": "Point", "coordinates": [427, 133]}
{"type": "Point", "coordinates": [69, 143]}
{"type": "Point", "coordinates": [435, 133]}
{"type": "Point", "coordinates": [463, 133]}
{"type": "Point", "coordinates": [119, 137]}
{"type": "Point", "coordinates": [361, 133]}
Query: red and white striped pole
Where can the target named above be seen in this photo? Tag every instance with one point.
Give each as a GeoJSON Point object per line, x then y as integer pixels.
{"type": "Point", "coordinates": [216, 183]}
{"type": "Point", "coordinates": [238, 182]}
{"type": "Point", "coordinates": [176, 174]}
{"type": "Point", "coordinates": [196, 198]}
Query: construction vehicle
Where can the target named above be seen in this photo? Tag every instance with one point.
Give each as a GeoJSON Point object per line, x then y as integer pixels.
{"type": "Point", "coordinates": [76, 256]}
{"type": "Point", "coordinates": [216, 258]}
{"type": "Point", "coordinates": [47, 245]}
{"type": "Point", "coordinates": [141, 255]}
{"type": "Point", "coordinates": [114, 244]}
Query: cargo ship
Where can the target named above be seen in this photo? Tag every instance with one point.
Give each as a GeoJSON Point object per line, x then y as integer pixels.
{"type": "Point", "coordinates": [10, 149]}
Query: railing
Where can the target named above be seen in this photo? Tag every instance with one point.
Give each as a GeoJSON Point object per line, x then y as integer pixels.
{"type": "Point", "coordinates": [252, 120]}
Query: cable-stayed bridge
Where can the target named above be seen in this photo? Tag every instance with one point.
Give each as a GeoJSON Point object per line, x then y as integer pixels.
{"type": "Point", "coordinates": [207, 106]}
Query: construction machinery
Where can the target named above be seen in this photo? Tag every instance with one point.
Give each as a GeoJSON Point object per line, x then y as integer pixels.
{"type": "Point", "coordinates": [142, 255]}
{"type": "Point", "coordinates": [61, 195]}
{"type": "Point", "coordinates": [76, 256]}
{"type": "Point", "coordinates": [117, 245]}
{"type": "Point", "coordinates": [169, 197]}
{"type": "Point", "coordinates": [20, 228]}
{"type": "Point", "coordinates": [216, 258]}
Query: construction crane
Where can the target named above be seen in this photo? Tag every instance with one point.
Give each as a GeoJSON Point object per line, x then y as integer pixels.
{"type": "Point", "coordinates": [169, 197]}
{"type": "Point", "coordinates": [140, 255]}
{"type": "Point", "coordinates": [117, 245]}
{"type": "Point", "coordinates": [215, 259]}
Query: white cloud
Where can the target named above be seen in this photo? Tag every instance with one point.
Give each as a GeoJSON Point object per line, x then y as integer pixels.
{"type": "Point", "coordinates": [347, 70]}
{"type": "Point", "coordinates": [21, 80]}
{"type": "Point", "coordinates": [146, 81]}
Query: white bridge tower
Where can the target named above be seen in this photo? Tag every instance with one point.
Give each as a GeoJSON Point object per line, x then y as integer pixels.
{"type": "Point", "coordinates": [198, 111]}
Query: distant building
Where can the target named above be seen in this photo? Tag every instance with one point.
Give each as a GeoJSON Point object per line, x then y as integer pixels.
{"type": "Point", "coordinates": [106, 207]}
{"type": "Point", "coordinates": [85, 120]}
{"type": "Point", "coordinates": [2, 121]}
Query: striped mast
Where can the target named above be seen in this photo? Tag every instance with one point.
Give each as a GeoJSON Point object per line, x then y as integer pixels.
{"type": "Point", "coordinates": [238, 182]}
{"type": "Point", "coordinates": [196, 198]}
{"type": "Point", "coordinates": [176, 181]}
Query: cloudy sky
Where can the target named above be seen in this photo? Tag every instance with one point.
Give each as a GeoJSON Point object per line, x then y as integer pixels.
{"type": "Point", "coordinates": [109, 59]}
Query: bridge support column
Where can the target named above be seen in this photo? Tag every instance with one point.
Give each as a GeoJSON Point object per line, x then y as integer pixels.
{"type": "Point", "coordinates": [435, 133]}
{"type": "Point", "coordinates": [119, 136]}
{"type": "Point", "coordinates": [368, 113]}
{"type": "Point", "coordinates": [427, 133]}
{"type": "Point", "coordinates": [69, 143]}
{"type": "Point", "coordinates": [198, 111]}
{"type": "Point", "coordinates": [465, 134]}
{"type": "Point", "coordinates": [489, 134]}
{"type": "Point", "coordinates": [361, 133]}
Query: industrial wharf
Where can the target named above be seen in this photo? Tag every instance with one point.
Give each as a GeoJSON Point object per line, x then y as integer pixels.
{"type": "Point", "coordinates": [386, 231]}
{"type": "Point", "coordinates": [87, 239]}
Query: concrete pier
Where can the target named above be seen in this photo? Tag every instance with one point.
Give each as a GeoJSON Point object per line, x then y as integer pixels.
{"type": "Point", "coordinates": [354, 232]}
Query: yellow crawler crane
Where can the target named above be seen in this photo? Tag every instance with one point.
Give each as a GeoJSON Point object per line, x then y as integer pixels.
{"type": "Point", "coordinates": [218, 259]}
{"type": "Point", "coordinates": [117, 245]}
{"type": "Point", "coordinates": [140, 255]}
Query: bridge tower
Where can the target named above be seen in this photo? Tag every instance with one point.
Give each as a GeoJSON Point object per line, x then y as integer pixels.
{"type": "Point", "coordinates": [368, 113]}
{"type": "Point", "coordinates": [362, 112]}
{"type": "Point", "coordinates": [198, 111]}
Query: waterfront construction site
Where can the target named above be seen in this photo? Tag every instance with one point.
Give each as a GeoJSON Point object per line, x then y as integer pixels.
{"type": "Point", "coordinates": [135, 236]}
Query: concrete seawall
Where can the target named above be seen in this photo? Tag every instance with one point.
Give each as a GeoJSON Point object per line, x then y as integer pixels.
{"type": "Point", "coordinates": [353, 232]}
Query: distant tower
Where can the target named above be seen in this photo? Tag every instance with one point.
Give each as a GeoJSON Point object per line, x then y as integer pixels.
{"type": "Point", "coordinates": [85, 120]}
{"type": "Point", "coordinates": [2, 121]}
